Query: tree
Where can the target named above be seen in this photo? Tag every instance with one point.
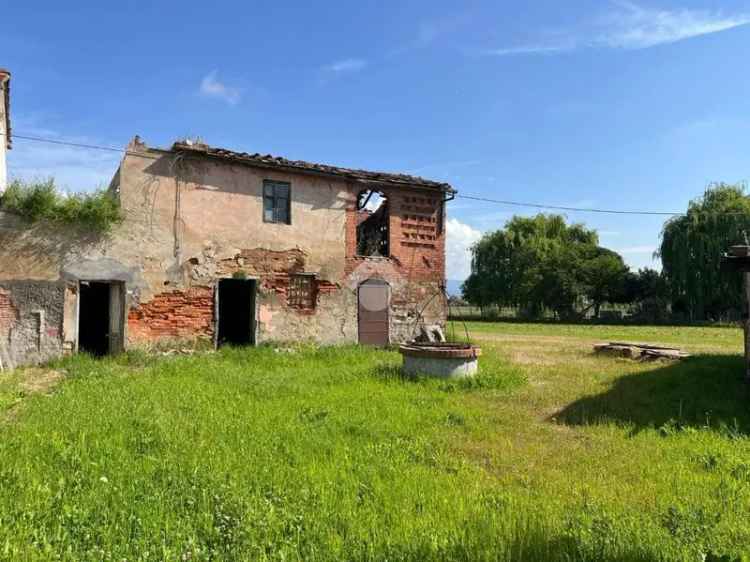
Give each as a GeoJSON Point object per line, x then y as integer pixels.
{"type": "Point", "coordinates": [647, 291]}
{"type": "Point", "coordinates": [645, 284]}
{"type": "Point", "coordinates": [603, 276]}
{"type": "Point", "coordinates": [543, 263]}
{"type": "Point", "coordinates": [691, 249]}
{"type": "Point", "coordinates": [491, 277]}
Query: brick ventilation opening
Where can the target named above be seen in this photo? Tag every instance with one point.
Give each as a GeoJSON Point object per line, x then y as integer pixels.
{"type": "Point", "coordinates": [301, 292]}
{"type": "Point", "coordinates": [419, 222]}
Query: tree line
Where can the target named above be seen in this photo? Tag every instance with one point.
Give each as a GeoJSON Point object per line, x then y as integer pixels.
{"type": "Point", "coordinates": [542, 263]}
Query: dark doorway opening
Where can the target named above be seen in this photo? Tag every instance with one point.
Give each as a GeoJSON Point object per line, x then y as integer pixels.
{"type": "Point", "coordinates": [94, 318]}
{"type": "Point", "coordinates": [236, 312]}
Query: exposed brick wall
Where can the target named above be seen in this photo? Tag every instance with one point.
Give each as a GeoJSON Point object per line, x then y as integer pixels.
{"type": "Point", "coordinates": [8, 313]}
{"type": "Point", "coordinates": [174, 314]}
{"type": "Point", "coordinates": [415, 269]}
{"type": "Point", "coordinates": [417, 235]}
{"type": "Point", "coordinates": [274, 268]}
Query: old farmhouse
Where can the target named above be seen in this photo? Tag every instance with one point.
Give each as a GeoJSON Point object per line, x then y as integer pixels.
{"type": "Point", "coordinates": [226, 247]}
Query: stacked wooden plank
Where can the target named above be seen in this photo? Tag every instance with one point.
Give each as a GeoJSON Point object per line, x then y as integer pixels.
{"type": "Point", "coordinates": [639, 351]}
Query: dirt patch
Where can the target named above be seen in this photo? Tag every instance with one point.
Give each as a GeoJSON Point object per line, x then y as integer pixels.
{"type": "Point", "coordinates": [585, 342]}
{"type": "Point", "coordinates": [531, 339]}
{"type": "Point", "coordinates": [538, 351]}
{"type": "Point", "coordinates": [40, 381]}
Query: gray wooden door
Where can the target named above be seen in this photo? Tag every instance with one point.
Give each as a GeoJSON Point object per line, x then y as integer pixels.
{"type": "Point", "coordinates": [116, 318]}
{"type": "Point", "coordinates": [374, 300]}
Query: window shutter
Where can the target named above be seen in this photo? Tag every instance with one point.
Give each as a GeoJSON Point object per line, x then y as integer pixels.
{"type": "Point", "coordinates": [268, 209]}
{"type": "Point", "coordinates": [276, 202]}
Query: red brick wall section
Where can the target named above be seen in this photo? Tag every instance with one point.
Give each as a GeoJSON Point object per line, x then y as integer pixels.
{"type": "Point", "coordinates": [8, 313]}
{"type": "Point", "coordinates": [174, 314]}
{"type": "Point", "coordinates": [417, 239]}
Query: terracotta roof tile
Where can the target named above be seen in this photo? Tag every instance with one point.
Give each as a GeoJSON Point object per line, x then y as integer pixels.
{"type": "Point", "coordinates": [269, 161]}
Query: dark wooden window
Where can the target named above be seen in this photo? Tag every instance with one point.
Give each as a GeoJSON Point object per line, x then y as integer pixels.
{"type": "Point", "coordinates": [301, 291]}
{"type": "Point", "coordinates": [277, 202]}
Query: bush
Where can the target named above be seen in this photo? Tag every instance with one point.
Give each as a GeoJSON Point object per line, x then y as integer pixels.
{"type": "Point", "coordinates": [36, 201]}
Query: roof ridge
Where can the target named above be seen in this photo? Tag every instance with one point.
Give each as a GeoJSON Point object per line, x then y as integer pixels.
{"type": "Point", "coordinates": [269, 160]}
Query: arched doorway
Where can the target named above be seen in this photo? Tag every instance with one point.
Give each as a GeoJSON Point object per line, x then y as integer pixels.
{"type": "Point", "coordinates": [373, 304]}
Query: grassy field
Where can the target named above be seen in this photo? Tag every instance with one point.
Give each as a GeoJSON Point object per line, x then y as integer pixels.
{"type": "Point", "coordinates": [552, 454]}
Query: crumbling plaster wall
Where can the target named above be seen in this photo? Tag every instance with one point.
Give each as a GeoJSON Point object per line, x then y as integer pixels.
{"type": "Point", "coordinates": [31, 322]}
{"type": "Point", "coordinates": [197, 220]}
{"type": "Point", "coordinates": [37, 262]}
{"type": "Point", "coordinates": [190, 222]}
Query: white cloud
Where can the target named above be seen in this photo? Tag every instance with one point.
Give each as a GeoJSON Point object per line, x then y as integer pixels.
{"type": "Point", "coordinates": [459, 239]}
{"type": "Point", "coordinates": [73, 168]}
{"type": "Point", "coordinates": [211, 88]}
{"type": "Point", "coordinates": [527, 50]}
{"type": "Point", "coordinates": [629, 26]}
{"type": "Point", "coordinates": [634, 27]}
{"type": "Point", "coordinates": [346, 65]}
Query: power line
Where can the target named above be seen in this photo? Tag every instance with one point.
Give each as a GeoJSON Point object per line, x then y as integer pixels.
{"type": "Point", "coordinates": [68, 143]}
{"type": "Point", "coordinates": [75, 144]}
{"type": "Point", "coordinates": [562, 208]}
{"type": "Point", "coordinates": [34, 138]}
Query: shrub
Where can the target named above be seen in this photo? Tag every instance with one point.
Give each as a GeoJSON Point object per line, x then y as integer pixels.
{"type": "Point", "coordinates": [36, 201]}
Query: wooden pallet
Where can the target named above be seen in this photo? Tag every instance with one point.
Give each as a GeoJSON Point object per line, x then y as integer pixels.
{"type": "Point", "coordinates": [639, 351]}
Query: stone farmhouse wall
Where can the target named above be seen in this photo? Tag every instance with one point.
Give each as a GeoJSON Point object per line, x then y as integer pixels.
{"type": "Point", "coordinates": [191, 221]}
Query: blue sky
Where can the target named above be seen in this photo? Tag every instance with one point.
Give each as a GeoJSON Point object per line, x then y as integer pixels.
{"type": "Point", "coordinates": [596, 104]}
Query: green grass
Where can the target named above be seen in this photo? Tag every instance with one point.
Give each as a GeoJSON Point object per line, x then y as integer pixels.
{"type": "Point", "coordinates": [726, 337]}
{"type": "Point", "coordinates": [10, 390]}
{"type": "Point", "coordinates": [328, 454]}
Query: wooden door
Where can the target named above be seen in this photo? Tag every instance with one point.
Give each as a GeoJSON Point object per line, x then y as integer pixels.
{"type": "Point", "coordinates": [374, 300]}
{"type": "Point", "coordinates": [116, 317]}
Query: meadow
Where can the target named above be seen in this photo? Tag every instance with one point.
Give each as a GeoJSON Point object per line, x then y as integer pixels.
{"type": "Point", "coordinates": [304, 453]}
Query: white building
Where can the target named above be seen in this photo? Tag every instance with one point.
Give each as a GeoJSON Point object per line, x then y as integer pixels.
{"type": "Point", "coordinates": [4, 126]}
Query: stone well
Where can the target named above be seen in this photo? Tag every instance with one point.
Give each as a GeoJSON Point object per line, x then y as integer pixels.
{"type": "Point", "coordinates": [445, 360]}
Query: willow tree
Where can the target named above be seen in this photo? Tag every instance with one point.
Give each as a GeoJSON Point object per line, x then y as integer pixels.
{"type": "Point", "coordinates": [691, 249]}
